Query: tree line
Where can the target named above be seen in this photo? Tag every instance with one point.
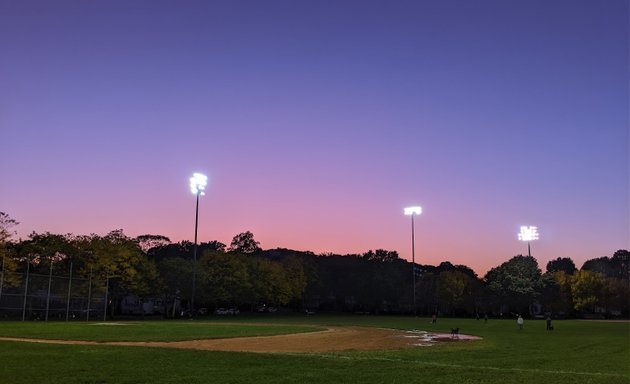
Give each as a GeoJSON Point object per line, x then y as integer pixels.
{"type": "Point", "coordinates": [243, 275]}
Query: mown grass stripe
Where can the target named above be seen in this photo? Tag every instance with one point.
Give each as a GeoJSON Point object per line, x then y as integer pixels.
{"type": "Point", "coordinates": [461, 366]}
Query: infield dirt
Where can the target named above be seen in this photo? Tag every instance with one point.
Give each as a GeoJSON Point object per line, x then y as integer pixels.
{"type": "Point", "coordinates": [329, 340]}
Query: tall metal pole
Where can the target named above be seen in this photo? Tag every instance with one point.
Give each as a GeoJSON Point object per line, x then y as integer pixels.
{"type": "Point", "coordinates": [192, 299]}
{"type": "Point", "coordinates": [48, 294]}
{"type": "Point", "coordinates": [529, 250]}
{"type": "Point", "coordinates": [413, 262]}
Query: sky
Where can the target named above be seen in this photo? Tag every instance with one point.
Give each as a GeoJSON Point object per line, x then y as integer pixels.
{"type": "Point", "coordinates": [318, 121]}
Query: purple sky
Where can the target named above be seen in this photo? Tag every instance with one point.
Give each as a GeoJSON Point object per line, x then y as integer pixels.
{"type": "Point", "coordinates": [318, 121]}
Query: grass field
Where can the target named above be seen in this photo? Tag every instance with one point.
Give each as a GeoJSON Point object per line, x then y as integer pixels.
{"type": "Point", "coordinates": [145, 330]}
{"type": "Point", "coordinates": [575, 352]}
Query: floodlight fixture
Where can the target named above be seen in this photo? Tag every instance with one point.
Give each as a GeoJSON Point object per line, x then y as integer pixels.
{"type": "Point", "coordinates": [413, 210]}
{"type": "Point", "coordinates": [528, 233]}
{"type": "Point", "coordinates": [198, 183]}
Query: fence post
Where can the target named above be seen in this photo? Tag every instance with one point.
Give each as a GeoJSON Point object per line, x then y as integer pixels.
{"type": "Point", "coordinates": [48, 295]}
{"type": "Point", "coordinates": [2, 279]}
{"type": "Point", "coordinates": [87, 317]}
{"type": "Point", "coordinates": [69, 288]}
{"type": "Point", "coordinates": [106, 292]}
{"type": "Point", "coordinates": [28, 269]}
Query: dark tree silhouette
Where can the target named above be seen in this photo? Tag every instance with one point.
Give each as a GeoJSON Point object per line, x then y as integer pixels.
{"type": "Point", "coordinates": [244, 243]}
{"type": "Point", "coordinates": [564, 264]}
{"type": "Point", "coordinates": [621, 262]}
{"type": "Point", "coordinates": [602, 265]}
{"type": "Point", "coordinates": [147, 242]}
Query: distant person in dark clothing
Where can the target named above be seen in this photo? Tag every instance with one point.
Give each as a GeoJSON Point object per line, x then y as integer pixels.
{"type": "Point", "coordinates": [549, 326]}
{"type": "Point", "coordinates": [434, 319]}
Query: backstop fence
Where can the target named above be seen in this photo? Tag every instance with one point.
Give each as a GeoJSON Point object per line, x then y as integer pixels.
{"type": "Point", "coordinates": [52, 296]}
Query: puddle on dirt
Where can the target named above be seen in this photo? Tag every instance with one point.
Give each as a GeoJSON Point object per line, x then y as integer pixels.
{"type": "Point", "coordinates": [427, 339]}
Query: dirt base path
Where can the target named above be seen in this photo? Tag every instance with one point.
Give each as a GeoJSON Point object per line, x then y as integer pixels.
{"type": "Point", "coordinates": [332, 339]}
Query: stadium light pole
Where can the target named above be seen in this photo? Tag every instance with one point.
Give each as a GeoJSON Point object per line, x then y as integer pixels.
{"type": "Point", "coordinates": [198, 184]}
{"type": "Point", "coordinates": [412, 211]}
{"type": "Point", "coordinates": [528, 233]}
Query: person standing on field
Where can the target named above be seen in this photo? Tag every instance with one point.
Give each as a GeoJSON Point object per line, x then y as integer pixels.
{"type": "Point", "coordinates": [520, 322]}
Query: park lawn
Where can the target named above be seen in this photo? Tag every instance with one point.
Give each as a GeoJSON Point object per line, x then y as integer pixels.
{"type": "Point", "coordinates": [594, 348]}
{"type": "Point", "coordinates": [145, 330]}
{"type": "Point", "coordinates": [576, 352]}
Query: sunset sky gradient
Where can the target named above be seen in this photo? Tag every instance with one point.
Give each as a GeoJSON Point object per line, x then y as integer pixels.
{"type": "Point", "coordinates": [317, 122]}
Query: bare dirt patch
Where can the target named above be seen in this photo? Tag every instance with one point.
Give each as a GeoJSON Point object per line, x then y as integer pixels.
{"type": "Point", "coordinates": [329, 340]}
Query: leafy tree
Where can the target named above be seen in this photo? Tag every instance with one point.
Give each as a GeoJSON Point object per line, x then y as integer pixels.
{"type": "Point", "coordinates": [381, 255]}
{"type": "Point", "coordinates": [427, 296]}
{"type": "Point", "coordinates": [619, 286]}
{"type": "Point", "coordinates": [605, 284]}
{"type": "Point", "coordinates": [120, 257]}
{"type": "Point", "coordinates": [181, 250]}
{"type": "Point", "coordinates": [270, 282]}
{"type": "Point", "coordinates": [615, 285]}
{"type": "Point", "coordinates": [176, 274]}
{"type": "Point", "coordinates": [7, 251]}
{"type": "Point", "coordinates": [373, 281]}
{"type": "Point", "coordinates": [621, 263]}
{"type": "Point", "coordinates": [448, 266]}
{"type": "Point", "coordinates": [588, 290]}
{"type": "Point", "coordinates": [616, 266]}
{"type": "Point", "coordinates": [602, 265]}
{"type": "Point", "coordinates": [44, 251]}
{"type": "Point", "coordinates": [618, 294]}
{"type": "Point", "coordinates": [212, 246]}
{"type": "Point", "coordinates": [6, 227]}
{"type": "Point", "coordinates": [223, 278]}
{"type": "Point", "coordinates": [517, 281]}
{"type": "Point", "coordinates": [244, 243]}
{"type": "Point", "coordinates": [295, 277]}
{"type": "Point", "coordinates": [340, 281]}
{"type": "Point", "coordinates": [556, 294]}
{"type": "Point", "coordinates": [147, 281]}
{"type": "Point", "coordinates": [564, 264]}
{"type": "Point", "coordinates": [44, 248]}
{"type": "Point", "coordinates": [147, 242]}
{"type": "Point", "coordinates": [302, 272]}
{"type": "Point", "coordinates": [259, 273]}
{"type": "Point", "coordinates": [452, 289]}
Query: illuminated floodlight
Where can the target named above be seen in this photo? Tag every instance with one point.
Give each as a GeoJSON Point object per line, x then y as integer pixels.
{"type": "Point", "coordinates": [413, 210]}
{"type": "Point", "coordinates": [528, 233]}
{"type": "Point", "coordinates": [198, 183]}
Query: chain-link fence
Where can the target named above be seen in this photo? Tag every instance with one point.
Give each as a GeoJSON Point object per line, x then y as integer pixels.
{"type": "Point", "coordinates": [52, 296]}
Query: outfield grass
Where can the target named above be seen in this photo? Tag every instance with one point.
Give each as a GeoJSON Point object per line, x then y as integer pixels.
{"type": "Point", "coordinates": [145, 330]}
{"type": "Point", "coordinates": [576, 352]}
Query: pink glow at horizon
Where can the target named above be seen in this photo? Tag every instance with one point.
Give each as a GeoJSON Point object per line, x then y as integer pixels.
{"type": "Point", "coordinates": [317, 123]}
